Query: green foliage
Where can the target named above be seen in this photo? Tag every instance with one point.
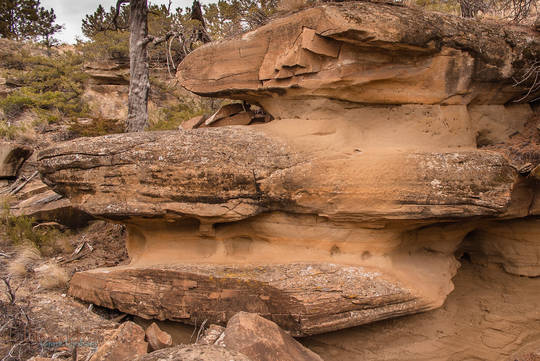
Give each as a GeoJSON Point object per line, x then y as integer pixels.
{"type": "Point", "coordinates": [101, 20]}
{"type": "Point", "coordinates": [230, 17]}
{"type": "Point", "coordinates": [50, 86]}
{"type": "Point", "coordinates": [96, 127]}
{"type": "Point", "coordinates": [106, 42]}
{"type": "Point", "coordinates": [45, 27]}
{"type": "Point", "coordinates": [20, 229]}
{"type": "Point", "coordinates": [169, 118]}
{"type": "Point", "coordinates": [27, 19]}
{"type": "Point", "coordinates": [106, 45]}
{"type": "Point", "coordinates": [222, 19]}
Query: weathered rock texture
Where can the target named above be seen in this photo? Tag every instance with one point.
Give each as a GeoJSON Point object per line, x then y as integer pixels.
{"type": "Point", "coordinates": [12, 156]}
{"type": "Point", "coordinates": [365, 53]}
{"type": "Point", "coordinates": [263, 340]}
{"type": "Point", "coordinates": [34, 199]}
{"type": "Point", "coordinates": [157, 339]}
{"type": "Point", "coordinates": [349, 206]}
{"type": "Point", "coordinates": [127, 343]}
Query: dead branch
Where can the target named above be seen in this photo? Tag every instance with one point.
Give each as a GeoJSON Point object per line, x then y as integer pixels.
{"type": "Point", "coordinates": [201, 329]}
{"type": "Point", "coordinates": [119, 4]}
{"type": "Point", "coordinates": [9, 290]}
{"type": "Point", "coordinates": [21, 186]}
{"type": "Point", "coordinates": [531, 77]}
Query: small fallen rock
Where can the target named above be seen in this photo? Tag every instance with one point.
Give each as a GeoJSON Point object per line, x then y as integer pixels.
{"type": "Point", "coordinates": [195, 353]}
{"type": "Point", "coordinates": [192, 123]}
{"type": "Point", "coordinates": [263, 340]}
{"type": "Point", "coordinates": [224, 112]}
{"type": "Point", "coordinates": [211, 335]}
{"type": "Point", "coordinates": [157, 339]}
{"type": "Point", "coordinates": [127, 343]}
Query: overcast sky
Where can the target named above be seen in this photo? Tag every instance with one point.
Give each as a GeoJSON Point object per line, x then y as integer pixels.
{"type": "Point", "coordinates": [71, 12]}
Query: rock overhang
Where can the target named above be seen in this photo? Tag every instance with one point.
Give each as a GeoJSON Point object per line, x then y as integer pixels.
{"type": "Point", "coordinates": [374, 164]}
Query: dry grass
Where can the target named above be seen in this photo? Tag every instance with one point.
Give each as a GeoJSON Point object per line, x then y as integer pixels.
{"type": "Point", "coordinates": [26, 256]}
{"type": "Point", "coordinates": [291, 5]}
{"type": "Point", "coordinates": [53, 276]}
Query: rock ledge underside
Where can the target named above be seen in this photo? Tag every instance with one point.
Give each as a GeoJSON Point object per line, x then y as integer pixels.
{"type": "Point", "coordinates": [351, 205]}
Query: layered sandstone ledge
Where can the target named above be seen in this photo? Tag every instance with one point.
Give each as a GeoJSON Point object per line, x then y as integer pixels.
{"type": "Point", "coordinates": [350, 206]}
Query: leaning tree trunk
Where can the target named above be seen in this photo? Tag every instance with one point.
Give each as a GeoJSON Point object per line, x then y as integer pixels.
{"type": "Point", "coordinates": [139, 84]}
{"type": "Point", "coordinates": [468, 8]}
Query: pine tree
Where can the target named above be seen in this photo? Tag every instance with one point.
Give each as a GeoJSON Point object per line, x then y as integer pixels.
{"type": "Point", "coordinates": [27, 19]}
{"type": "Point", "coordinates": [45, 27]}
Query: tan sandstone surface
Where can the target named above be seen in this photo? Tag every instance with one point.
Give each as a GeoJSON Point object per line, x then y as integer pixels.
{"type": "Point", "coordinates": [348, 207]}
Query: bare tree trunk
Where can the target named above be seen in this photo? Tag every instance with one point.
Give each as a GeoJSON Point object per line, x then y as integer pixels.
{"type": "Point", "coordinates": [467, 8]}
{"type": "Point", "coordinates": [139, 84]}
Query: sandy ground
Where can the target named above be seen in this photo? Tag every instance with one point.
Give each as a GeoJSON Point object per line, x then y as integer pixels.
{"type": "Point", "coordinates": [490, 315]}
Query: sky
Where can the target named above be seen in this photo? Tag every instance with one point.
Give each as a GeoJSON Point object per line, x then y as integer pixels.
{"type": "Point", "coordinates": [71, 12]}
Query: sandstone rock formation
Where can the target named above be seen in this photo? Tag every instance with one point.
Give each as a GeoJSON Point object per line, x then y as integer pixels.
{"type": "Point", "coordinates": [263, 340]}
{"type": "Point", "coordinates": [157, 339]}
{"type": "Point", "coordinates": [35, 199]}
{"type": "Point", "coordinates": [347, 208]}
{"type": "Point", "coordinates": [127, 343]}
{"type": "Point", "coordinates": [107, 89]}
{"type": "Point", "coordinates": [12, 156]}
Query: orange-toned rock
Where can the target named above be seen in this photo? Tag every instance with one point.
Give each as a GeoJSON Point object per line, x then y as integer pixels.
{"type": "Point", "coordinates": [243, 118]}
{"type": "Point", "coordinates": [192, 123]}
{"type": "Point", "coordinates": [365, 53]}
{"type": "Point", "coordinates": [263, 340]}
{"type": "Point", "coordinates": [350, 205]}
{"type": "Point", "coordinates": [157, 339]}
{"type": "Point", "coordinates": [127, 343]}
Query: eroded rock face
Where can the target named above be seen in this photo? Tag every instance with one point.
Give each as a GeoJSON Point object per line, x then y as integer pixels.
{"type": "Point", "coordinates": [349, 206]}
{"type": "Point", "coordinates": [127, 343]}
{"type": "Point", "coordinates": [365, 53]}
{"type": "Point", "coordinates": [12, 156]}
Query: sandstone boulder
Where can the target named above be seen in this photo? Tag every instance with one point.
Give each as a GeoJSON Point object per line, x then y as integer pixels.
{"type": "Point", "coordinates": [243, 118]}
{"type": "Point", "coordinates": [366, 53]}
{"type": "Point", "coordinates": [192, 123]}
{"type": "Point", "coordinates": [263, 340]}
{"type": "Point", "coordinates": [45, 205]}
{"type": "Point", "coordinates": [127, 343]}
{"type": "Point", "coordinates": [157, 339]}
{"type": "Point", "coordinates": [194, 353]}
{"type": "Point", "coordinates": [108, 72]}
{"type": "Point", "coordinates": [225, 112]}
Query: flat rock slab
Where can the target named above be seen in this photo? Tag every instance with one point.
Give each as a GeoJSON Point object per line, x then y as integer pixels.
{"type": "Point", "coordinates": [304, 299]}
